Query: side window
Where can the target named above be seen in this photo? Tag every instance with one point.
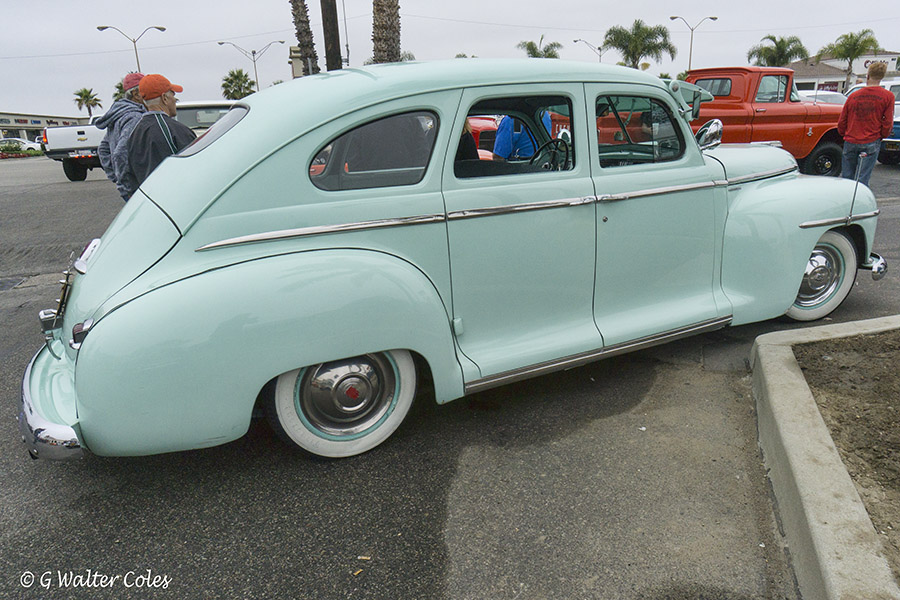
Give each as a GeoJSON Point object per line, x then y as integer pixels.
{"type": "Point", "coordinates": [895, 89]}
{"type": "Point", "coordinates": [506, 136]}
{"type": "Point", "coordinates": [391, 151]}
{"type": "Point", "coordinates": [716, 87]}
{"type": "Point", "coordinates": [635, 130]}
{"type": "Point", "coordinates": [772, 88]}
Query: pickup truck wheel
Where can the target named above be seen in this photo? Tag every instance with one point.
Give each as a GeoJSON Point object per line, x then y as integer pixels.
{"type": "Point", "coordinates": [344, 407]}
{"type": "Point", "coordinates": [829, 277]}
{"type": "Point", "coordinates": [889, 158]}
{"type": "Point", "coordinates": [825, 159]}
{"type": "Point", "coordinates": [74, 171]}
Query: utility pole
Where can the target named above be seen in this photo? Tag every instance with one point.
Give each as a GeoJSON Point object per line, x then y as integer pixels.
{"type": "Point", "coordinates": [331, 35]}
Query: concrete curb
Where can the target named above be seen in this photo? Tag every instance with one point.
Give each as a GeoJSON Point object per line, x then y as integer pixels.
{"type": "Point", "coordinates": [835, 551]}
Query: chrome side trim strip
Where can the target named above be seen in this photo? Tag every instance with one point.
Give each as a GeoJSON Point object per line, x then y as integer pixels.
{"type": "Point", "coordinates": [840, 221]}
{"type": "Point", "coordinates": [578, 360]}
{"type": "Point", "coordinates": [763, 175]}
{"type": "Point", "coordinates": [322, 230]}
{"type": "Point", "coordinates": [517, 208]}
{"type": "Point", "coordinates": [658, 191]}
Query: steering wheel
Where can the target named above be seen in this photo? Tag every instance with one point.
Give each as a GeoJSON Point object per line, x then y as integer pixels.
{"type": "Point", "coordinates": [553, 150]}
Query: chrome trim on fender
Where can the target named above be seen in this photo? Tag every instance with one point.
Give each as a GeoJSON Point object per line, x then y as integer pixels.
{"type": "Point", "coordinates": [44, 439]}
{"type": "Point", "coordinates": [517, 208]}
{"type": "Point", "coordinates": [578, 360]}
{"type": "Point", "coordinates": [763, 175]}
{"type": "Point", "coordinates": [322, 230]}
{"type": "Point", "coordinates": [840, 221]}
{"type": "Point", "coordinates": [877, 264]}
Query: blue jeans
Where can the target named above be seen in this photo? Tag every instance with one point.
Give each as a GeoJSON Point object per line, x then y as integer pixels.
{"type": "Point", "coordinates": [850, 160]}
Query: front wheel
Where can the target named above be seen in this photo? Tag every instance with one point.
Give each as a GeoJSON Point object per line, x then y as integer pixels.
{"type": "Point", "coordinates": [344, 407]}
{"type": "Point", "coordinates": [828, 279]}
{"type": "Point", "coordinates": [825, 159]}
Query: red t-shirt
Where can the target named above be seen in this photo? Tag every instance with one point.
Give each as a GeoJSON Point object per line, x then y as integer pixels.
{"type": "Point", "coordinates": [867, 116]}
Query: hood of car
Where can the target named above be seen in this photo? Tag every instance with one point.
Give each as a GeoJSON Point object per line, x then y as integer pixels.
{"type": "Point", "coordinates": [743, 161]}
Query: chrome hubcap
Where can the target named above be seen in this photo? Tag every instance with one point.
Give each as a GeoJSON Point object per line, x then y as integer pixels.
{"type": "Point", "coordinates": [347, 397]}
{"type": "Point", "coordinates": [822, 278]}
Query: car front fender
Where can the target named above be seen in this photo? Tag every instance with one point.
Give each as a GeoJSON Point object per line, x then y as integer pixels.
{"type": "Point", "coordinates": [181, 366]}
{"type": "Point", "coordinates": [771, 229]}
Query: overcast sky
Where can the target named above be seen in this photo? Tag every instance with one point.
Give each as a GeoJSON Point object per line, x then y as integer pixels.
{"type": "Point", "coordinates": [50, 48]}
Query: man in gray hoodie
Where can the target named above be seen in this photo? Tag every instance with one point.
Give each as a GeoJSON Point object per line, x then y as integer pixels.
{"type": "Point", "coordinates": [119, 121]}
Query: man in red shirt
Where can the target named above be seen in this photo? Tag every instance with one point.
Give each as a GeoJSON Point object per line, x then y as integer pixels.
{"type": "Point", "coordinates": [867, 116]}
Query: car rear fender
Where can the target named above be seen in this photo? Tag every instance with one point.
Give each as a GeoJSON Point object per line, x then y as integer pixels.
{"type": "Point", "coordinates": [188, 359]}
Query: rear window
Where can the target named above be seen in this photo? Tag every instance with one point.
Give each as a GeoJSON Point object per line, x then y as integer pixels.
{"type": "Point", "coordinates": [716, 87]}
{"type": "Point", "coordinates": [218, 129]}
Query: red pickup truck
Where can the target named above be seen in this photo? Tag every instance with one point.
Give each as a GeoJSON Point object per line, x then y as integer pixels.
{"type": "Point", "coordinates": [761, 104]}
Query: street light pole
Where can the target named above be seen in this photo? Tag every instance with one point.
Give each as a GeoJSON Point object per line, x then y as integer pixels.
{"type": "Point", "coordinates": [596, 49]}
{"type": "Point", "coordinates": [691, 50]}
{"type": "Point", "coordinates": [134, 41]}
{"type": "Point", "coordinates": [253, 55]}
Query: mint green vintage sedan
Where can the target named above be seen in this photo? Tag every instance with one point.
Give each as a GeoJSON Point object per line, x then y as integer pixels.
{"type": "Point", "coordinates": [334, 242]}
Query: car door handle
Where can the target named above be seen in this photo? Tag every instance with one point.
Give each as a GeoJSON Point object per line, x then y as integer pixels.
{"type": "Point", "coordinates": [760, 110]}
{"type": "Point", "coordinates": [613, 197]}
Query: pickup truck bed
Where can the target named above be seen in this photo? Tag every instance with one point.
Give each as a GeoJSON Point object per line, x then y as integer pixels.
{"type": "Point", "coordinates": [75, 146]}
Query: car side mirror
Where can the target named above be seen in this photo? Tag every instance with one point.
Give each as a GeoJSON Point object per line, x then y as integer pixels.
{"type": "Point", "coordinates": [710, 134]}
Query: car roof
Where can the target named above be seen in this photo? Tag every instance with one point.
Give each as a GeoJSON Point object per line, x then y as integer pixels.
{"type": "Point", "coordinates": [326, 96]}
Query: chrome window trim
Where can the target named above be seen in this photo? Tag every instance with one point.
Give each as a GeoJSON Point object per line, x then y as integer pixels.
{"type": "Point", "coordinates": [840, 220]}
{"type": "Point", "coordinates": [578, 360]}
{"type": "Point", "coordinates": [660, 191]}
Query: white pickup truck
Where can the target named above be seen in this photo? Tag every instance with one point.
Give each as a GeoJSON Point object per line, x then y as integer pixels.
{"type": "Point", "coordinates": [76, 145]}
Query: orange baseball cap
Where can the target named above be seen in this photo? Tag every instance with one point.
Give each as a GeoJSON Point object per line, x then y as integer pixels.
{"type": "Point", "coordinates": [155, 85]}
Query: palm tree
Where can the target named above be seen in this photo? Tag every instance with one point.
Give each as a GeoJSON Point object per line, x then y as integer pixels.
{"type": "Point", "coordinates": [782, 52]}
{"type": "Point", "coordinates": [849, 47]}
{"type": "Point", "coordinates": [386, 31]}
{"type": "Point", "coordinates": [308, 56]}
{"type": "Point", "coordinates": [236, 85]}
{"type": "Point", "coordinates": [640, 41]}
{"type": "Point", "coordinates": [85, 98]}
{"type": "Point", "coordinates": [538, 50]}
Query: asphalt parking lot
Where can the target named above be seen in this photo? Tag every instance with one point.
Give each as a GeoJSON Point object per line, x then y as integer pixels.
{"type": "Point", "coordinates": [635, 477]}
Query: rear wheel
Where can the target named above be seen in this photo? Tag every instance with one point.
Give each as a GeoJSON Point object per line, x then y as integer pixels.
{"type": "Point", "coordinates": [825, 159]}
{"type": "Point", "coordinates": [344, 407]}
{"type": "Point", "coordinates": [828, 279]}
{"type": "Point", "coordinates": [74, 171]}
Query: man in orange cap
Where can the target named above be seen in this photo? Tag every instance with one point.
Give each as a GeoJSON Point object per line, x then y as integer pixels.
{"type": "Point", "coordinates": [157, 135]}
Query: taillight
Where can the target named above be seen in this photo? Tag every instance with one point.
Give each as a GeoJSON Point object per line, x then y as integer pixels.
{"type": "Point", "coordinates": [44, 136]}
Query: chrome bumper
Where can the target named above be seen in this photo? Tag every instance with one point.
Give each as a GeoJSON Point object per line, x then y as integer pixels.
{"type": "Point", "coordinates": [43, 438]}
{"type": "Point", "coordinates": [877, 265]}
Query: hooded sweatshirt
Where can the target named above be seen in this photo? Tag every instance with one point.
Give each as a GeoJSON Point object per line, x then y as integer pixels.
{"type": "Point", "coordinates": [118, 121]}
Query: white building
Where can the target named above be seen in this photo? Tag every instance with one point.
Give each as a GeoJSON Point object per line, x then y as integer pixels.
{"type": "Point", "coordinates": [830, 74]}
{"type": "Point", "coordinates": [28, 126]}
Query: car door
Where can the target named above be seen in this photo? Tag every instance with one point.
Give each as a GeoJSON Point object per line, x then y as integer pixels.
{"type": "Point", "coordinates": [522, 238]}
{"type": "Point", "coordinates": [776, 112]}
{"type": "Point", "coordinates": [660, 218]}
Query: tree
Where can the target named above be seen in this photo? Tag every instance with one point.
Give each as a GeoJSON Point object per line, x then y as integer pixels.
{"type": "Point", "coordinates": [782, 52]}
{"type": "Point", "coordinates": [85, 98]}
{"type": "Point", "coordinates": [386, 31]}
{"type": "Point", "coordinates": [308, 56]}
{"type": "Point", "coordinates": [405, 56]}
{"type": "Point", "coordinates": [236, 85]}
{"type": "Point", "coordinates": [849, 47]}
{"type": "Point", "coordinates": [538, 50]}
{"type": "Point", "coordinates": [638, 42]}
